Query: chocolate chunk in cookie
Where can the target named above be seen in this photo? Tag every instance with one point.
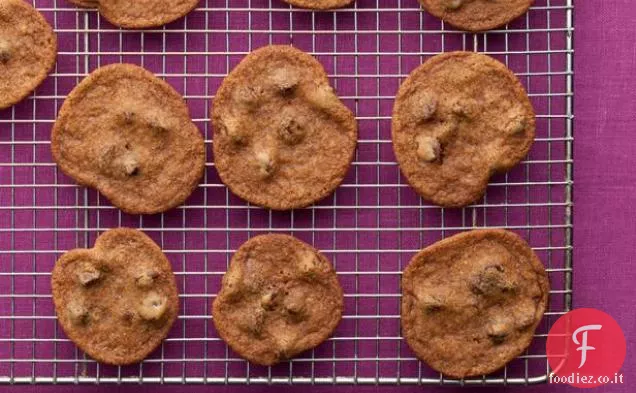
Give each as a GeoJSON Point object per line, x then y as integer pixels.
{"type": "Point", "coordinates": [471, 302]}
{"type": "Point", "coordinates": [28, 48]}
{"type": "Point", "coordinates": [477, 15]}
{"type": "Point", "coordinates": [118, 300]}
{"type": "Point", "coordinates": [140, 14]}
{"type": "Point", "coordinates": [129, 135]}
{"type": "Point", "coordinates": [319, 4]}
{"type": "Point", "coordinates": [282, 138]}
{"type": "Point", "coordinates": [457, 119]}
{"type": "Point", "coordinates": [279, 297]}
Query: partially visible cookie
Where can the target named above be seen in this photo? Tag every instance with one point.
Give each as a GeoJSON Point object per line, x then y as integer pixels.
{"type": "Point", "coordinates": [28, 48]}
{"type": "Point", "coordinates": [477, 15]}
{"type": "Point", "coordinates": [471, 302]}
{"type": "Point", "coordinates": [282, 138]}
{"type": "Point", "coordinates": [128, 134]}
{"type": "Point", "coordinates": [85, 3]}
{"type": "Point", "coordinates": [319, 4]}
{"type": "Point", "coordinates": [117, 300]}
{"type": "Point", "coordinates": [457, 119]}
{"type": "Point", "coordinates": [279, 297]}
{"type": "Point", "coordinates": [140, 14]}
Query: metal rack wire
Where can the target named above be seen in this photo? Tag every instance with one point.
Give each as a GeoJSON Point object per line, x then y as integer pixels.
{"type": "Point", "coordinates": [369, 228]}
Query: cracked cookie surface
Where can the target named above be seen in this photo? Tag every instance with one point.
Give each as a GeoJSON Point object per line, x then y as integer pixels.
{"type": "Point", "coordinates": [128, 134]}
{"type": "Point", "coordinates": [28, 49]}
{"type": "Point", "coordinates": [282, 138]}
{"type": "Point", "coordinates": [279, 297]}
{"type": "Point", "coordinates": [477, 15]}
{"type": "Point", "coordinates": [319, 4]}
{"type": "Point", "coordinates": [117, 300]}
{"type": "Point", "coordinates": [472, 302]}
{"type": "Point", "coordinates": [459, 118]}
{"type": "Point", "coordinates": [140, 14]}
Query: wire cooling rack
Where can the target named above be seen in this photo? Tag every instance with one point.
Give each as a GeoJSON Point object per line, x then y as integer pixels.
{"type": "Point", "coordinates": [369, 228]}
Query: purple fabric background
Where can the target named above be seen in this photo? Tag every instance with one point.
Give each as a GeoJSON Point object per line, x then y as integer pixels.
{"type": "Point", "coordinates": [605, 182]}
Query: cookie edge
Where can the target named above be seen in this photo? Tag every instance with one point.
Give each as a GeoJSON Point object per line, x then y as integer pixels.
{"type": "Point", "coordinates": [473, 27]}
{"type": "Point", "coordinates": [319, 7]}
{"type": "Point", "coordinates": [145, 24]}
{"type": "Point", "coordinates": [48, 67]}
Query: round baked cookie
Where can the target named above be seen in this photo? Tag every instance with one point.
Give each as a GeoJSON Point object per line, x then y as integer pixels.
{"type": "Point", "coordinates": [282, 138]}
{"type": "Point", "coordinates": [128, 134]}
{"type": "Point", "coordinates": [118, 300]}
{"type": "Point", "coordinates": [477, 15]}
{"type": "Point", "coordinates": [140, 14]}
{"type": "Point", "coordinates": [28, 48]}
{"type": "Point", "coordinates": [279, 297]}
{"type": "Point", "coordinates": [319, 4]}
{"type": "Point", "coordinates": [457, 119]}
{"type": "Point", "coordinates": [471, 302]}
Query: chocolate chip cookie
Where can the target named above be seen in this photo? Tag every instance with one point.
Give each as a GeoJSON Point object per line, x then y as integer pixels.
{"type": "Point", "coordinates": [140, 14]}
{"type": "Point", "coordinates": [85, 3]}
{"type": "Point", "coordinates": [118, 300]}
{"type": "Point", "coordinates": [129, 135]}
{"type": "Point", "coordinates": [319, 4]}
{"type": "Point", "coordinates": [282, 138]}
{"type": "Point", "coordinates": [477, 15]}
{"type": "Point", "coordinates": [28, 48]}
{"type": "Point", "coordinates": [459, 118]}
{"type": "Point", "coordinates": [279, 297]}
{"type": "Point", "coordinates": [471, 302]}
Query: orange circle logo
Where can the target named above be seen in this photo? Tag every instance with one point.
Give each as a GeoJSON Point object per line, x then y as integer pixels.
{"type": "Point", "coordinates": [586, 348]}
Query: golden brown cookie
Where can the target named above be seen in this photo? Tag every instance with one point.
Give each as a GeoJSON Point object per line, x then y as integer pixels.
{"type": "Point", "coordinates": [282, 138]}
{"type": "Point", "coordinates": [85, 3]}
{"type": "Point", "coordinates": [319, 4]}
{"type": "Point", "coordinates": [471, 302]}
{"type": "Point", "coordinates": [279, 297]}
{"type": "Point", "coordinates": [128, 134]}
{"type": "Point", "coordinates": [118, 300]}
{"type": "Point", "coordinates": [477, 15]}
{"type": "Point", "coordinates": [457, 119]}
{"type": "Point", "coordinates": [28, 48]}
{"type": "Point", "coordinates": [140, 14]}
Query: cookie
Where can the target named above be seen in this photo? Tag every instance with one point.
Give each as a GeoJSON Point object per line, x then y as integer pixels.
{"type": "Point", "coordinates": [279, 297]}
{"type": "Point", "coordinates": [282, 138]}
{"type": "Point", "coordinates": [85, 3]}
{"type": "Point", "coordinates": [319, 4]}
{"type": "Point", "coordinates": [477, 15]}
{"type": "Point", "coordinates": [129, 135]}
{"type": "Point", "coordinates": [118, 300]}
{"type": "Point", "coordinates": [28, 48]}
{"type": "Point", "coordinates": [457, 119]}
{"type": "Point", "coordinates": [471, 302]}
{"type": "Point", "coordinates": [140, 14]}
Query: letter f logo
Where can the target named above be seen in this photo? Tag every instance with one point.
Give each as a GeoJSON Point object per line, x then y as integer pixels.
{"type": "Point", "coordinates": [583, 345]}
